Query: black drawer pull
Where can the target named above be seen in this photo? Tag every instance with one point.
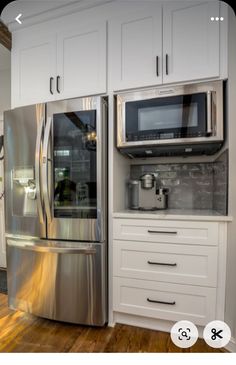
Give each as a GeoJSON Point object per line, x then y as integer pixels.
{"type": "Point", "coordinates": [160, 302]}
{"type": "Point", "coordinates": [162, 232]}
{"type": "Point", "coordinates": [161, 263]}
{"type": "Point", "coordinates": [167, 65]}
{"type": "Point", "coordinates": [50, 84]}
{"type": "Point", "coordinates": [157, 65]}
{"type": "Point", "coordinates": [58, 88]}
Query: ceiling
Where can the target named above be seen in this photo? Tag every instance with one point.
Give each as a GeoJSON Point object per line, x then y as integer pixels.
{"type": "Point", "coordinates": [5, 58]}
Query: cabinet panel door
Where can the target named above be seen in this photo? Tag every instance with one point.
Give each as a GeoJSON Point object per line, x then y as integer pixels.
{"type": "Point", "coordinates": [166, 231]}
{"type": "Point", "coordinates": [190, 40]}
{"type": "Point", "coordinates": [172, 302]}
{"type": "Point", "coordinates": [180, 264]}
{"type": "Point", "coordinates": [81, 61]}
{"type": "Point", "coordinates": [34, 62]}
{"type": "Point", "coordinates": [135, 44]}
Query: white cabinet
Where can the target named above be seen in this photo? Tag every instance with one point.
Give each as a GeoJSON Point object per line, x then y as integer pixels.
{"type": "Point", "coordinates": [191, 40]}
{"type": "Point", "coordinates": [67, 64]}
{"type": "Point", "coordinates": [136, 48]}
{"type": "Point", "coordinates": [33, 64]}
{"type": "Point", "coordinates": [81, 61]}
{"type": "Point", "coordinates": [180, 264]}
{"type": "Point", "coordinates": [170, 302]}
{"type": "Point", "coordinates": [182, 232]}
{"type": "Point", "coordinates": [173, 41]}
{"type": "Point", "coordinates": [168, 269]}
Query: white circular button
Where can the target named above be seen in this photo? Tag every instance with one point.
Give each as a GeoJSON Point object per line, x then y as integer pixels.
{"type": "Point", "coordinates": [184, 334]}
{"type": "Point", "coordinates": [212, 18]}
{"type": "Point", "coordinates": [217, 334]}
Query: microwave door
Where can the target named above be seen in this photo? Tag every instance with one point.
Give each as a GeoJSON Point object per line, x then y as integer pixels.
{"type": "Point", "coordinates": [23, 130]}
{"type": "Point", "coordinates": [73, 170]}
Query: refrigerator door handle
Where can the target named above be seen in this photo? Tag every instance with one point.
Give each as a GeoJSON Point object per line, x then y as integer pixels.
{"type": "Point", "coordinates": [45, 169]}
{"type": "Point", "coordinates": [37, 170]}
{"type": "Point", "coordinates": [53, 249]}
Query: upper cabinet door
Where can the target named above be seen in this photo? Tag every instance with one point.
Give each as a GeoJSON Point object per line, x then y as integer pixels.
{"type": "Point", "coordinates": [136, 48]}
{"type": "Point", "coordinates": [81, 61]}
{"type": "Point", "coordinates": [190, 40]}
{"type": "Point", "coordinates": [33, 69]}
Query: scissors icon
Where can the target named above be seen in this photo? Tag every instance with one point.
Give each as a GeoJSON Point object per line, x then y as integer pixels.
{"type": "Point", "coordinates": [216, 334]}
{"type": "Point", "coordinates": [184, 334]}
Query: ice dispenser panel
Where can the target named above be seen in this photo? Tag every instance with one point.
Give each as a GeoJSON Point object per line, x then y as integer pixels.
{"type": "Point", "coordinates": [24, 192]}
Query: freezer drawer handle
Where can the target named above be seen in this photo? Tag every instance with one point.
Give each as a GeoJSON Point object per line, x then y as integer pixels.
{"type": "Point", "coordinates": [160, 302]}
{"type": "Point", "coordinates": [64, 250]}
{"type": "Point", "coordinates": [162, 232]}
{"type": "Point", "coordinates": [161, 263]}
{"type": "Point", "coordinates": [50, 249]}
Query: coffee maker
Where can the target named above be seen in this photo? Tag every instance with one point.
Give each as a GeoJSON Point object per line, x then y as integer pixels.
{"type": "Point", "coordinates": [146, 194]}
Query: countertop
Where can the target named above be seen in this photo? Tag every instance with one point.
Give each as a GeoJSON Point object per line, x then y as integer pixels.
{"type": "Point", "coordinates": [175, 214]}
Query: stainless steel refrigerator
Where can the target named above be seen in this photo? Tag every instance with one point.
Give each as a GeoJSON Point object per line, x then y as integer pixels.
{"type": "Point", "coordinates": [56, 209]}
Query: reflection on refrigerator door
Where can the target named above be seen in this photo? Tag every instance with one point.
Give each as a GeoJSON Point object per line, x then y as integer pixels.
{"type": "Point", "coordinates": [57, 280]}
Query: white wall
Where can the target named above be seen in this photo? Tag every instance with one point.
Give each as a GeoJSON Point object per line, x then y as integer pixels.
{"type": "Point", "coordinates": [230, 316]}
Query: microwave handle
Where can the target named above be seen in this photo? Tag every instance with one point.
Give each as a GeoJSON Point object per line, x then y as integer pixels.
{"type": "Point", "coordinates": [209, 113]}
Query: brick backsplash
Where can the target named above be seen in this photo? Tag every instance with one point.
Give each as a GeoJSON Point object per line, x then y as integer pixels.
{"type": "Point", "coordinates": [192, 185]}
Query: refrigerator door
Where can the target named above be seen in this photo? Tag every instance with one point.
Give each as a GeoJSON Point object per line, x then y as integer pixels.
{"type": "Point", "coordinates": [64, 281]}
{"type": "Point", "coordinates": [23, 133]}
{"type": "Point", "coordinates": [74, 169]}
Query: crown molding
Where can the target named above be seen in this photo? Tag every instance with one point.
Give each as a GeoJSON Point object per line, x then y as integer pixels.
{"type": "Point", "coordinates": [71, 8]}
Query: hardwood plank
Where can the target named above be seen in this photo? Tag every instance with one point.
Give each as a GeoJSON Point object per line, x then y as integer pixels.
{"type": "Point", "coordinates": [46, 336]}
{"type": "Point", "coordinates": [93, 340]}
{"type": "Point", "coordinates": [22, 332]}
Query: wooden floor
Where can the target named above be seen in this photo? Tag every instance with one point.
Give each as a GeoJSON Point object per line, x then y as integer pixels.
{"type": "Point", "coordinates": [21, 332]}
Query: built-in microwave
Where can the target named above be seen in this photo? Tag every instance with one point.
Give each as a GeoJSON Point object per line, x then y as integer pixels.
{"type": "Point", "coordinates": [173, 120]}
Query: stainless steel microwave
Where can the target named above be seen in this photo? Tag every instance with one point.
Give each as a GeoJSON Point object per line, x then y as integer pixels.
{"type": "Point", "coordinates": [173, 120]}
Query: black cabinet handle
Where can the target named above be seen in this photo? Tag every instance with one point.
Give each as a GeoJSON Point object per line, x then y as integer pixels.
{"type": "Point", "coordinates": [162, 232]}
{"type": "Point", "coordinates": [167, 64]}
{"type": "Point", "coordinates": [160, 302]}
{"type": "Point", "coordinates": [157, 65]}
{"type": "Point", "coordinates": [50, 85]}
{"type": "Point", "coordinates": [58, 88]}
{"type": "Point", "coordinates": [161, 263]}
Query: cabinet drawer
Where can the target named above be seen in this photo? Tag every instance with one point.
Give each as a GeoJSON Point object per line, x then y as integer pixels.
{"type": "Point", "coordinates": [176, 302]}
{"type": "Point", "coordinates": [195, 233]}
{"type": "Point", "coordinates": [183, 264]}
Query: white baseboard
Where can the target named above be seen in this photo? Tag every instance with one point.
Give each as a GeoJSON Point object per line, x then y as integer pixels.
{"type": "Point", "coordinates": [145, 322]}
{"type": "Point", "coordinates": [156, 324]}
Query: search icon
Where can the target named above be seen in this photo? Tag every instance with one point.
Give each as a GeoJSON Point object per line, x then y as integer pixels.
{"type": "Point", "coordinates": [183, 333]}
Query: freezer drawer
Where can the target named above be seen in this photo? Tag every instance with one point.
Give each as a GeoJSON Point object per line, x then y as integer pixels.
{"type": "Point", "coordinates": [64, 281]}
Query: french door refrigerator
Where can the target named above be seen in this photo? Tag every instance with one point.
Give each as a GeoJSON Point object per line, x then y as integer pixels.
{"type": "Point", "coordinates": [55, 209]}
